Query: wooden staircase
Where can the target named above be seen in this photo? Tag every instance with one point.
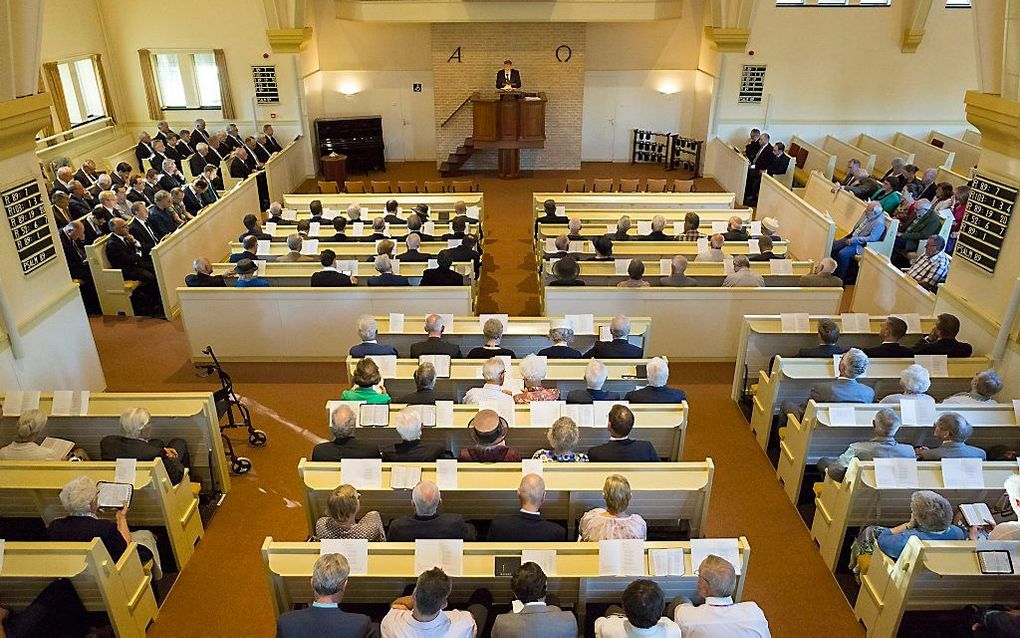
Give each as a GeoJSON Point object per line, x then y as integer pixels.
{"type": "Point", "coordinates": [457, 158]}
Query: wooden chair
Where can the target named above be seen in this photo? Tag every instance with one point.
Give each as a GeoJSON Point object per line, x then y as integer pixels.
{"type": "Point", "coordinates": [629, 185]}
{"type": "Point", "coordinates": [655, 186]}
{"type": "Point", "coordinates": [602, 185]}
{"type": "Point", "coordinates": [328, 187]}
{"type": "Point", "coordinates": [576, 186]}
{"type": "Point", "coordinates": [435, 186]}
{"type": "Point", "coordinates": [407, 186]}
{"type": "Point", "coordinates": [462, 186]}
{"type": "Point", "coordinates": [355, 187]}
{"type": "Point", "coordinates": [382, 186]}
{"type": "Point", "coordinates": [683, 185]}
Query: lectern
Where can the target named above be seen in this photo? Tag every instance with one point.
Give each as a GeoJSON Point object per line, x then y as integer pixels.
{"type": "Point", "coordinates": [508, 121]}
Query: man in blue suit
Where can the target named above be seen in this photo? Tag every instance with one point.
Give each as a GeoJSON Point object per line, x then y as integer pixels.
{"type": "Point", "coordinates": [656, 391]}
{"type": "Point", "coordinates": [324, 617]}
{"type": "Point", "coordinates": [386, 276]}
{"type": "Point", "coordinates": [368, 330]}
{"type": "Point", "coordinates": [619, 347]}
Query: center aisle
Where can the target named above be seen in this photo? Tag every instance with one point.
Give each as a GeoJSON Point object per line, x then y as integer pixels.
{"type": "Point", "coordinates": [223, 591]}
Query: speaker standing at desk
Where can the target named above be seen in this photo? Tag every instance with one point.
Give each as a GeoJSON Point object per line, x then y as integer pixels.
{"type": "Point", "coordinates": [508, 77]}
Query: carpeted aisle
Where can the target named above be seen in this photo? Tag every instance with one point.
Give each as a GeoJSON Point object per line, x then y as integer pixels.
{"type": "Point", "coordinates": [223, 591]}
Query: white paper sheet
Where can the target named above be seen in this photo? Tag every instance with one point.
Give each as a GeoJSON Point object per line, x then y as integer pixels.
{"type": "Point", "coordinates": [794, 321]}
{"type": "Point", "coordinates": [727, 548]}
{"type": "Point", "coordinates": [1016, 411]}
{"type": "Point", "coordinates": [666, 562]}
{"type": "Point", "coordinates": [289, 214]}
{"type": "Point", "coordinates": [504, 409]}
{"type": "Point", "coordinates": [543, 413]}
{"type": "Point", "coordinates": [859, 322]}
{"type": "Point", "coordinates": [583, 415]}
{"type": "Point", "coordinates": [727, 264]}
{"type": "Point", "coordinates": [622, 557]}
{"type": "Point", "coordinates": [349, 266]}
{"type": "Point", "coordinates": [446, 474]}
{"type": "Point", "coordinates": [756, 229]}
{"type": "Point", "coordinates": [374, 415]}
{"type": "Point", "coordinates": [561, 210]}
{"type": "Point", "coordinates": [531, 466]}
{"type": "Point", "coordinates": [270, 228]}
{"type": "Point", "coordinates": [754, 249]}
{"type": "Point", "coordinates": [82, 409]}
{"type": "Point", "coordinates": [895, 473]}
{"type": "Point", "coordinates": [575, 246]}
{"type": "Point", "coordinates": [720, 227]}
{"type": "Point", "coordinates": [61, 405]}
{"type": "Point", "coordinates": [404, 477]}
{"type": "Point", "coordinates": [387, 364]}
{"type": "Point", "coordinates": [362, 473]}
{"type": "Point", "coordinates": [358, 229]}
{"type": "Point", "coordinates": [665, 267]}
{"type": "Point", "coordinates": [936, 364]}
{"type": "Point", "coordinates": [620, 266]}
{"type": "Point", "coordinates": [550, 245]}
{"type": "Point", "coordinates": [260, 267]}
{"type": "Point", "coordinates": [644, 228]}
{"type": "Point", "coordinates": [702, 245]}
{"type": "Point", "coordinates": [841, 415]}
{"type": "Point", "coordinates": [447, 554]}
{"type": "Point", "coordinates": [427, 414]}
{"type": "Point", "coordinates": [429, 228]}
{"type": "Point", "coordinates": [396, 322]}
{"type": "Point", "coordinates": [310, 247]}
{"type": "Point", "coordinates": [913, 321]}
{"type": "Point", "coordinates": [355, 550]}
{"type": "Point", "coordinates": [263, 247]}
{"type": "Point", "coordinates": [916, 412]}
{"type": "Point", "coordinates": [472, 212]}
{"type": "Point", "coordinates": [453, 243]}
{"type": "Point", "coordinates": [962, 474]}
{"type": "Point", "coordinates": [836, 360]}
{"type": "Point", "coordinates": [781, 266]}
{"type": "Point", "coordinates": [433, 263]}
{"type": "Point", "coordinates": [582, 324]}
{"type": "Point", "coordinates": [441, 362]}
{"type": "Point", "coordinates": [544, 558]}
{"type": "Point", "coordinates": [124, 471]}
{"type": "Point", "coordinates": [605, 333]}
{"type": "Point", "coordinates": [610, 229]}
{"type": "Point", "coordinates": [313, 229]}
{"type": "Point", "coordinates": [17, 402]}
{"type": "Point", "coordinates": [61, 447]}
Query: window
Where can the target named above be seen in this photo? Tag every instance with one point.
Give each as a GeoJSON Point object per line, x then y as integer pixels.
{"type": "Point", "coordinates": [832, 3]}
{"type": "Point", "coordinates": [958, 4]}
{"type": "Point", "coordinates": [187, 80]}
{"type": "Point", "coordinates": [82, 91]}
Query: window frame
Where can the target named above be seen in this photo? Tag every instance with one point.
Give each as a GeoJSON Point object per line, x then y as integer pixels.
{"type": "Point", "coordinates": [834, 4]}
{"type": "Point", "coordinates": [189, 79]}
{"type": "Point", "coordinates": [75, 89]}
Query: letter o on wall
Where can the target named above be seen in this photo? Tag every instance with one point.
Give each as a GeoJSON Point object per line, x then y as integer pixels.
{"type": "Point", "coordinates": [563, 53]}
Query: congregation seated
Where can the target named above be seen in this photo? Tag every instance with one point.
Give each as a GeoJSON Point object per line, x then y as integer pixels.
{"type": "Point", "coordinates": [293, 254]}
{"type": "Point", "coordinates": [870, 227]}
{"type": "Point", "coordinates": [677, 274]}
{"type": "Point", "coordinates": [342, 424]}
{"type": "Point", "coordinates": [657, 234]}
{"type": "Point", "coordinates": [460, 211]}
{"type": "Point", "coordinates": [821, 275]}
{"type": "Point", "coordinates": [743, 276]}
{"type": "Point", "coordinates": [770, 228]}
{"type": "Point", "coordinates": [844, 389]}
{"type": "Point", "coordinates": [635, 275]}
{"type": "Point", "coordinates": [378, 229]}
{"type": "Point", "coordinates": [656, 391]}
{"type": "Point", "coordinates": [644, 604]}
{"type": "Point", "coordinates": [622, 228]}
{"type": "Point", "coordinates": [549, 215]}
{"type": "Point", "coordinates": [765, 250]}
{"type": "Point", "coordinates": [619, 347]}
{"type": "Point", "coordinates": [983, 387]}
{"type": "Point", "coordinates": [354, 212]}
{"type": "Point", "coordinates": [942, 339]}
{"type": "Point", "coordinates": [386, 278]}
{"type": "Point", "coordinates": [914, 382]}
{"type": "Point", "coordinates": [888, 194]}
{"type": "Point", "coordinates": [434, 343]}
{"type": "Point", "coordinates": [72, 236]}
{"type": "Point", "coordinates": [330, 276]}
{"type": "Point", "coordinates": [603, 245]}
{"type": "Point", "coordinates": [342, 507]}
{"type": "Point", "coordinates": [315, 211]}
{"type": "Point", "coordinates": [339, 226]}
{"type": "Point", "coordinates": [595, 375]}
{"type": "Point", "coordinates": [561, 333]}
{"type": "Point", "coordinates": [536, 617]}
{"type": "Point", "coordinates": [368, 332]}
{"type": "Point", "coordinates": [443, 274]}
{"type": "Point", "coordinates": [414, 226]}
{"type": "Point", "coordinates": [562, 436]}
{"type": "Point", "coordinates": [249, 250]}
{"type": "Point", "coordinates": [715, 251]}
{"type": "Point", "coordinates": [247, 275]}
{"type": "Point", "coordinates": [1005, 531]}
{"type": "Point", "coordinates": [413, 254]}
{"type": "Point", "coordinates": [391, 208]}
{"type": "Point", "coordinates": [466, 251]}
{"type": "Point", "coordinates": [718, 615]}
{"type": "Point", "coordinates": [125, 254]}
{"type": "Point", "coordinates": [252, 226]}
{"type": "Point", "coordinates": [423, 614]}
{"type": "Point", "coordinates": [31, 425]}
{"type": "Point", "coordinates": [527, 525]}
{"type": "Point", "coordinates": [612, 522]}
{"type": "Point", "coordinates": [424, 384]}
{"type": "Point", "coordinates": [427, 521]}
{"type": "Point", "coordinates": [324, 616]}
{"type": "Point", "coordinates": [566, 271]}
{"type": "Point", "coordinates": [621, 448]}
{"type": "Point", "coordinates": [735, 229]}
{"type": "Point", "coordinates": [368, 385]}
{"type": "Point", "coordinates": [953, 430]}
{"type": "Point", "coordinates": [931, 267]}
{"type": "Point", "coordinates": [411, 449]}
{"type": "Point", "coordinates": [488, 431]}
{"type": "Point", "coordinates": [533, 370]}
{"type": "Point", "coordinates": [203, 276]}
{"type": "Point", "coordinates": [493, 332]}
{"type": "Point", "coordinates": [136, 442]}
{"type": "Point", "coordinates": [882, 445]}
{"type": "Point", "coordinates": [692, 221]}
{"type": "Point", "coordinates": [926, 222]}
{"type": "Point", "coordinates": [828, 335]}
{"type": "Point", "coordinates": [891, 331]}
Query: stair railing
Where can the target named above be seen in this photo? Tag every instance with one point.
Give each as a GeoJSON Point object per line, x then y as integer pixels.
{"type": "Point", "coordinates": [457, 110]}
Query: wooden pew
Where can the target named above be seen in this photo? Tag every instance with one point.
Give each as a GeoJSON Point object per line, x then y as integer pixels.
{"type": "Point", "coordinates": [651, 250]}
{"type": "Point", "coordinates": [114, 291]}
{"type": "Point", "coordinates": [124, 155]}
{"type": "Point", "coordinates": [299, 324]}
{"type": "Point", "coordinates": [727, 166]}
{"type": "Point", "coordinates": [31, 489]}
{"type": "Point", "coordinates": [603, 273]}
{"type": "Point", "coordinates": [187, 415]}
{"type": "Point", "coordinates": [817, 159]}
{"type": "Point", "coordinates": [857, 502]}
{"type": "Point", "coordinates": [971, 137]}
{"type": "Point", "coordinates": [599, 222]}
{"type": "Point", "coordinates": [884, 153]}
{"type": "Point", "coordinates": [299, 273]}
{"type": "Point", "coordinates": [523, 335]}
{"type": "Point", "coordinates": [951, 177]}
{"type": "Point", "coordinates": [665, 493]}
{"type": "Point", "coordinates": [391, 568]}
{"type": "Point", "coordinates": [926, 155]}
{"type": "Point", "coordinates": [803, 442]}
{"type": "Point", "coordinates": [929, 575]}
{"type": "Point", "coordinates": [662, 425]}
{"type": "Point", "coordinates": [396, 232]}
{"type": "Point", "coordinates": [122, 590]}
{"type": "Point", "coordinates": [762, 336]}
{"type": "Point", "coordinates": [846, 210]}
{"type": "Point", "coordinates": [888, 290]}
{"type": "Point", "coordinates": [579, 204]}
{"type": "Point", "coordinates": [344, 250]}
{"type": "Point", "coordinates": [440, 205]}
{"type": "Point", "coordinates": [791, 380]}
{"type": "Point", "coordinates": [706, 321]}
{"type": "Point", "coordinates": [808, 231]}
{"type": "Point", "coordinates": [844, 153]}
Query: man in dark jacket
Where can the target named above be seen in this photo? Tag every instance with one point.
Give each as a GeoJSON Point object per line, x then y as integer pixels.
{"type": "Point", "coordinates": [621, 448]}
{"type": "Point", "coordinates": [427, 521]}
{"type": "Point", "coordinates": [892, 330]}
{"type": "Point", "coordinates": [203, 277]}
{"type": "Point", "coordinates": [656, 391]}
{"type": "Point", "coordinates": [527, 525]}
{"type": "Point", "coordinates": [136, 442]}
{"type": "Point", "coordinates": [942, 339]}
{"type": "Point", "coordinates": [442, 274]}
{"type": "Point", "coordinates": [828, 333]}
{"type": "Point", "coordinates": [926, 223]}
{"type": "Point", "coordinates": [344, 446]}
{"type": "Point", "coordinates": [434, 344]}
{"type": "Point", "coordinates": [595, 375]}
{"type": "Point", "coordinates": [619, 347]}
{"type": "Point", "coordinates": [324, 617]}
{"type": "Point", "coordinates": [329, 276]}
{"type": "Point", "coordinates": [411, 448]}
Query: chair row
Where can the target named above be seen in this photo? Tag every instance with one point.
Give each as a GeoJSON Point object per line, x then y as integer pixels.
{"type": "Point", "coordinates": [403, 186]}
{"type": "Point", "coordinates": [625, 185]}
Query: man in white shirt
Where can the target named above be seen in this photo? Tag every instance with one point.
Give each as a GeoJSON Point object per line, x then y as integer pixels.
{"type": "Point", "coordinates": [493, 372]}
{"type": "Point", "coordinates": [422, 614]}
{"type": "Point", "coordinates": [643, 604]}
{"type": "Point", "coordinates": [719, 616]}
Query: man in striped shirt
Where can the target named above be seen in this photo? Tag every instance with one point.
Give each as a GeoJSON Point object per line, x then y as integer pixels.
{"type": "Point", "coordinates": [931, 267]}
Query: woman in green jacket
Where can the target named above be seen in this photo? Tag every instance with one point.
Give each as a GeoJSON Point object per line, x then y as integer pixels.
{"type": "Point", "coordinates": [366, 378]}
{"type": "Point", "coordinates": [888, 195]}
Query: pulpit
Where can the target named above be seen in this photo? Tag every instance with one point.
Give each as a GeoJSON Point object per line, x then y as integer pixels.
{"type": "Point", "coordinates": [508, 121]}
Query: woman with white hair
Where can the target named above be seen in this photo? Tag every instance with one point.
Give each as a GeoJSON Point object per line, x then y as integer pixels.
{"type": "Point", "coordinates": [613, 522]}
{"type": "Point", "coordinates": [983, 387]}
{"type": "Point", "coordinates": [563, 436]}
{"type": "Point", "coordinates": [914, 381]}
{"type": "Point", "coordinates": [342, 507]}
{"type": "Point", "coordinates": [1007, 531]}
{"type": "Point", "coordinates": [533, 370]}
{"type": "Point", "coordinates": [136, 442]}
{"type": "Point", "coordinates": [24, 447]}
{"type": "Point", "coordinates": [561, 333]}
{"type": "Point", "coordinates": [493, 331]}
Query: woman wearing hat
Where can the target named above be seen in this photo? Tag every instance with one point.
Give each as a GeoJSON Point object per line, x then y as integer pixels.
{"type": "Point", "coordinates": [488, 430]}
{"type": "Point", "coordinates": [247, 275]}
{"type": "Point", "coordinates": [566, 271]}
{"type": "Point", "coordinates": [770, 227]}
{"type": "Point", "coordinates": [366, 378]}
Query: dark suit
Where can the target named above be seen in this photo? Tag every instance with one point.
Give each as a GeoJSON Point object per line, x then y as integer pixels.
{"type": "Point", "coordinates": [115, 447]}
{"type": "Point", "coordinates": [202, 280]}
{"type": "Point", "coordinates": [233, 142]}
{"type": "Point", "coordinates": [57, 186]}
{"type": "Point", "coordinates": [239, 169]}
{"type": "Point", "coordinates": [623, 451]}
{"type": "Point", "coordinates": [79, 206]}
{"type": "Point", "coordinates": [751, 149]}
{"type": "Point", "coordinates": [330, 279]}
{"type": "Point", "coordinates": [156, 161]}
{"type": "Point", "coordinates": [656, 235]}
{"type": "Point", "coordinates": [526, 527]}
{"type": "Point", "coordinates": [441, 277]}
{"type": "Point", "coordinates": [262, 154]}
{"type": "Point", "coordinates": [587, 395]}
{"type": "Point", "coordinates": [197, 163]}
{"type": "Point", "coordinates": [821, 351]}
{"type": "Point", "coordinates": [367, 349]}
{"type": "Point", "coordinates": [419, 397]}
{"type": "Point", "coordinates": [415, 451]}
{"type": "Point", "coordinates": [514, 80]}
{"type": "Point", "coordinates": [388, 279]}
{"type": "Point", "coordinates": [86, 180]}
{"type": "Point", "coordinates": [615, 349]}
{"type": "Point", "coordinates": [135, 196]}
{"type": "Point", "coordinates": [145, 235]}
{"type": "Point", "coordinates": [244, 254]}
{"type": "Point", "coordinates": [768, 255]}
{"type": "Point", "coordinates": [192, 203]}
{"type": "Point", "coordinates": [560, 352]}
{"type": "Point", "coordinates": [950, 347]}
{"type": "Point", "coordinates": [184, 150]}
{"type": "Point", "coordinates": [409, 528]}
{"type": "Point", "coordinates": [347, 447]}
{"type": "Point", "coordinates": [82, 529]}
{"type": "Point", "coordinates": [169, 182]}
{"type": "Point", "coordinates": [463, 253]}
{"type": "Point", "coordinates": [160, 221]}
{"type": "Point", "coordinates": [77, 266]}
{"type": "Point", "coordinates": [414, 256]}
{"type": "Point", "coordinates": [779, 164]}
{"type": "Point", "coordinates": [142, 152]}
{"type": "Point", "coordinates": [653, 394]}
{"type": "Point", "coordinates": [323, 622]}
{"type": "Point", "coordinates": [272, 145]}
{"type": "Point", "coordinates": [198, 136]}
{"type": "Point", "coordinates": [889, 351]}
{"type": "Point", "coordinates": [435, 345]}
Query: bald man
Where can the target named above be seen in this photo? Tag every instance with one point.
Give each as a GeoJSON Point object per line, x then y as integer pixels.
{"type": "Point", "coordinates": [428, 521]}
{"type": "Point", "coordinates": [527, 525]}
{"type": "Point", "coordinates": [435, 344]}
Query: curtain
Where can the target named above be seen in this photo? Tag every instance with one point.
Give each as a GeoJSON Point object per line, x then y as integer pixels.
{"type": "Point", "coordinates": [48, 129]}
{"type": "Point", "coordinates": [226, 101]}
{"type": "Point", "coordinates": [97, 60]}
{"type": "Point", "coordinates": [149, 80]}
{"type": "Point", "coordinates": [57, 94]}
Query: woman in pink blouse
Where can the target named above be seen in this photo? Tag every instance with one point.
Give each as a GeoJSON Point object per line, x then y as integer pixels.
{"type": "Point", "coordinates": [613, 522]}
{"type": "Point", "coordinates": [533, 371]}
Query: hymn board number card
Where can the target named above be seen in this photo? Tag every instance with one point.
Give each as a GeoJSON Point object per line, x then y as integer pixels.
{"type": "Point", "coordinates": [30, 228]}
{"type": "Point", "coordinates": [989, 210]}
{"type": "Point", "coordinates": [752, 84]}
{"type": "Point", "coordinates": [266, 89]}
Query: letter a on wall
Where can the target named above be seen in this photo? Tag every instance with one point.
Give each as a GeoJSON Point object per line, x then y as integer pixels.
{"type": "Point", "coordinates": [454, 55]}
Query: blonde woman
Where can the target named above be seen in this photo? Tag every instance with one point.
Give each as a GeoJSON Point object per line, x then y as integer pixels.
{"type": "Point", "coordinates": [613, 521]}
{"type": "Point", "coordinates": [563, 436]}
{"type": "Point", "coordinates": [342, 507]}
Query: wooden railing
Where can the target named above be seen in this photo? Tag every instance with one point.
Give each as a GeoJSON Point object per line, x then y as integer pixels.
{"type": "Point", "coordinates": [457, 110]}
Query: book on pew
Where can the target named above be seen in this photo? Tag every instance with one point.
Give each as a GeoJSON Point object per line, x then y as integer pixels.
{"type": "Point", "coordinates": [644, 228]}
{"type": "Point", "coordinates": [915, 412]}
{"type": "Point", "coordinates": [114, 496]}
{"type": "Point", "coordinates": [859, 322]}
{"type": "Point", "coordinates": [753, 249]}
{"type": "Point", "coordinates": [962, 474]}
{"type": "Point", "coordinates": [895, 473]}
{"type": "Point", "coordinates": [270, 228]}
{"type": "Point", "coordinates": [937, 365]}
{"type": "Point", "coordinates": [289, 214]}
{"type": "Point", "coordinates": [781, 267]}
{"type": "Point", "coordinates": [446, 554]}
{"type": "Point", "coordinates": [355, 550]}
{"type": "Point", "coordinates": [912, 319]}
{"type": "Point", "coordinates": [582, 415]}
{"type": "Point", "coordinates": [544, 558]}
{"type": "Point", "coordinates": [531, 466]}
{"type": "Point", "coordinates": [665, 267]}
{"type": "Point", "coordinates": [997, 557]}
{"type": "Point", "coordinates": [755, 229]}
{"type": "Point", "coordinates": [358, 229]}
{"type": "Point", "coordinates": [622, 557]}
{"type": "Point", "coordinates": [545, 412]}
{"type": "Point", "coordinates": [977, 514]}
{"type": "Point", "coordinates": [727, 264]}
{"type": "Point", "coordinates": [313, 229]}
{"type": "Point", "coordinates": [444, 414]}
{"type": "Point", "coordinates": [605, 334]}
{"type": "Point", "coordinates": [720, 228]}
{"type": "Point", "coordinates": [666, 562]}
{"type": "Point", "coordinates": [396, 322]}
{"type": "Point", "coordinates": [575, 246]}
{"type": "Point", "coordinates": [362, 473]}
{"type": "Point", "coordinates": [124, 470]}
{"type": "Point", "coordinates": [262, 247]}
{"type": "Point", "coordinates": [60, 447]}
{"type": "Point", "coordinates": [404, 477]}
{"type": "Point", "coordinates": [703, 245]}
{"type": "Point", "coordinates": [374, 415]}
{"type": "Point", "coordinates": [621, 266]}
{"type": "Point", "coordinates": [260, 267]}
{"type": "Point", "coordinates": [727, 548]}
{"type": "Point", "coordinates": [348, 266]}
{"type": "Point", "coordinates": [329, 213]}
{"type": "Point", "coordinates": [581, 324]}
{"type": "Point", "coordinates": [310, 247]}
{"type": "Point", "coordinates": [69, 403]}
{"type": "Point", "coordinates": [446, 474]}
{"type": "Point", "coordinates": [427, 414]}
{"type": "Point", "coordinates": [793, 321]}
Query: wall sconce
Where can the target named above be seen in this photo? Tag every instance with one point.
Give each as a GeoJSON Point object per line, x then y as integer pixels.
{"type": "Point", "coordinates": [349, 89]}
{"type": "Point", "coordinates": [668, 88]}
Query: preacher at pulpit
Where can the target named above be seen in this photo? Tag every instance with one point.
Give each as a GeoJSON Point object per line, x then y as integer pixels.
{"type": "Point", "coordinates": [509, 77]}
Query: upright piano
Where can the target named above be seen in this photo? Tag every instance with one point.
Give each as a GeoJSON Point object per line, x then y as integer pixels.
{"type": "Point", "coordinates": [359, 138]}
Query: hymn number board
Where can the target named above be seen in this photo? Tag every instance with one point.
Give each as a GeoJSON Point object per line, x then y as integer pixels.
{"type": "Point", "coordinates": [989, 210]}
{"type": "Point", "coordinates": [752, 84]}
{"type": "Point", "coordinates": [266, 89]}
{"type": "Point", "coordinates": [29, 224]}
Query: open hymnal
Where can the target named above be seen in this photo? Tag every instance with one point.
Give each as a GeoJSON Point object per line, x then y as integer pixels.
{"type": "Point", "coordinates": [362, 473]}
{"type": "Point", "coordinates": [605, 333]}
{"type": "Point", "coordinates": [543, 413]}
{"type": "Point", "coordinates": [855, 322]}
{"type": "Point", "coordinates": [977, 514]}
{"type": "Point", "coordinates": [446, 554]}
{"type": "Point", "coordinates": [444, 414]}
{"type": "Point", "coordinates": [374, 415]}
{"type": "Point", "coordinates": [912, 319]}
{"type": "Point", "coordinates": [622, 557]}
{"type": "Point", "coordinates": [404, 477]}
{"type": "Point", "coordinates": [446, 474]}
{"type": "Point", "coordinates": [666, 562]}
{"type": "Point", "coordinates": [726, 548]}
{"type": "Point", "coordinates": [937, 365]}
{"type": "Point", "coordinates": [355, 550]}
{"type": "Point", "coordinates": [441, 362]}
{"type": "Point", "coordinates": [795, 321]}
{"type": "Point", "coordinates": [621, 266]}
{"type": "Point", "coordinates": [427, 414]}
{"type": "Point", "coordinates": [124, 471]}
{"type": "Point", "coordinates": [544, 558]}
{"type": "Point", "coordinates": [895, 473]}
{"type": "Point", "coordinates": [583, 415]}
{"type": "Point", "coordinates": [780, 267]}
{"type": "Point", "coordinates": [917, 412]}
{"type": "Point", "coordinates": [59, 447]}
{"type": "Point", "coordinates": [531, 466]}
{"type": "Point", "coordinates": [310, 247]}
{"type": "Point", "coordinates": [581, 324]}
{"type": "Point", "coordinates": [70, 403]}
{"type": "Point", "coordinates": [114, 495]}
{"type": "Point", "coordinates": [396, 322]}
{"type": "Point", "coordinates": [387, 364]}
{"type": "Point", "coordinates": [962, 474]}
